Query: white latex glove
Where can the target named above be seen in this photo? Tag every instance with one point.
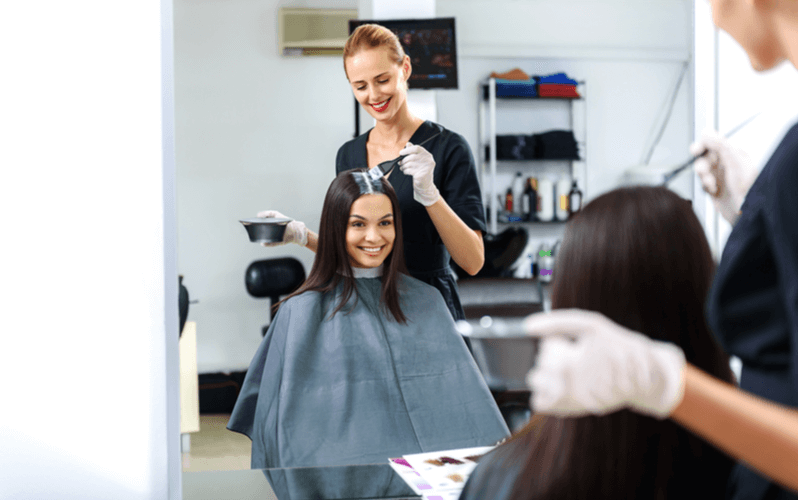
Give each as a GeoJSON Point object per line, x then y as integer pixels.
{"type": "Point", "coordinates": [726, 172]}
{"type": "Point", "coordinates": [606, 368]}
{"type": "Point", "coordinates": [419, 164]}
{"type": "Point", "coordinates": [296, 231]}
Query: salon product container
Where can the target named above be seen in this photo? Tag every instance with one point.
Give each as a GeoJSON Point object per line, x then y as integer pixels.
{"type": "Point", "coordinates": [562, 198]}
{"type": "Point", "coordinates": [575, 198]}
{"type": "Point", "coordinates": [531, 187]}
{"type": "Point", "coordinates": [546, 200]}
{"type": "Point", "coordinates": [518, 189]}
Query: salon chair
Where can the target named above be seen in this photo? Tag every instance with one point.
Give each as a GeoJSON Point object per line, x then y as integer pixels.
{"type": "Point", "coordinates": [272, 278]}
{"type": "Point", "coordinates": [501, 251]}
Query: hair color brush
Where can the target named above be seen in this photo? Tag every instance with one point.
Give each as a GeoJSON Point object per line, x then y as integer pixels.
{"type": "Point", "coordinates": [386, 167]}
{"type": "Point", "coordinates": [668, 177]}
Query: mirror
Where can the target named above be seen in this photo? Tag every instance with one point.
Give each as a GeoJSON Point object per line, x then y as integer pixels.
{"type": "Point", "coordinates": [257, 131]}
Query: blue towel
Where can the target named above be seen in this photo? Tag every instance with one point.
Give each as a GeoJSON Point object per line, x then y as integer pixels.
{"type": "Point", "coordinates": [516, 88]}
{"type": "Point", "coordinates": [556, 78]}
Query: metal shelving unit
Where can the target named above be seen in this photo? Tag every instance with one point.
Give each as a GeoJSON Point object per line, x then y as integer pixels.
{"type": "Point", "coordinates": [487, 133]}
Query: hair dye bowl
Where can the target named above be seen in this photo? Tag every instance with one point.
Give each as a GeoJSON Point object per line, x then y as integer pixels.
{"type": "Point", "coordinates": [265, 229]}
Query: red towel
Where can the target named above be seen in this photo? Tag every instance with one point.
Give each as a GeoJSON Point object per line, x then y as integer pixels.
{"type": "Point", "coordinates": [557, 90]}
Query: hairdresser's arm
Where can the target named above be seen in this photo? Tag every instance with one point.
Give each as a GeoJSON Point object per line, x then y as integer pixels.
{"type": "Point", "coordinates": [607, 367]}
{"type": "Point", "coordinates": [464, 244]}
{"type": "Point", "coordinates": [747, 427]}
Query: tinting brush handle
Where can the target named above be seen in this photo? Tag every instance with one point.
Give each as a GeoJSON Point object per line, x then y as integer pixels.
{"type": "Point", "coordinates": [688, 163]}
{"type": "Point", "coordinates": [668, 177]}
{"type": "Point", "coordinates": [386, 167]}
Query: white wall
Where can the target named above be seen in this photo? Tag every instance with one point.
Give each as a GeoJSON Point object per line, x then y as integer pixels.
{"type": "Point", "coordinates": [89, 320]}
{"type": "Point", "coordinates": [254, 131]}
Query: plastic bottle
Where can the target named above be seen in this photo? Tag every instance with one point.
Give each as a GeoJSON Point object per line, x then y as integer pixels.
{"type": "Point", "coordinates": [517, 189]}
{"type": "Point", "coordinates": [542, 262]}
{"type": "Point", "coordinates": [546, 200]}
{"type": "Point", "coordinates": [562, 198]}
{"type": "Point", "coordinates": [509, 201]}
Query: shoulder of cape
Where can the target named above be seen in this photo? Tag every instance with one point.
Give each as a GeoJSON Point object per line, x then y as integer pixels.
{"type": "Point", "coordinates": [412, 284]}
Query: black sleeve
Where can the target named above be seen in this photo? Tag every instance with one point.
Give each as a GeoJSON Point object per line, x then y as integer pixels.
{"type": "Point", "coordinates": [782, 234]}
{"type": "Point", "coordinates": [460, 188]}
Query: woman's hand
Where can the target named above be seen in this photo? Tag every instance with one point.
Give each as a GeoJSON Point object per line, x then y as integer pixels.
{"type": "Point", "coordinates": [419, 164]}
{"type": "Point", "coordinates": [607, 367]}
{"type": "Point", "coordinates": [726, 172]}
{"type": "Point", "coordinates": [296, 231]}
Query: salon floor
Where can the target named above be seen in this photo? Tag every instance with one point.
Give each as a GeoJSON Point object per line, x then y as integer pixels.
{"type": "Point", "coordinates": [215, 447]}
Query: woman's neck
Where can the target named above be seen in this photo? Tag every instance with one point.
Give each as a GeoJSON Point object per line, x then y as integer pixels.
{"type": "Point", "coordinates": [398, 129]}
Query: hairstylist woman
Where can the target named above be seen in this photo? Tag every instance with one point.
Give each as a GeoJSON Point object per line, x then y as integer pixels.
{"type": "Point", "coordinates": [437, 185]}
{"type": "Point", "coordinates": [752, 307]}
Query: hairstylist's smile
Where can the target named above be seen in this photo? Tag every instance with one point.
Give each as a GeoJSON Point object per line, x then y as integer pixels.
{"type": "Point", "coordinates": [381, 106]}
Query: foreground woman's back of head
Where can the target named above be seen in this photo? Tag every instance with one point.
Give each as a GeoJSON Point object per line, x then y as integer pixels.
{"type": "Point", "coordinates": [639, 256]}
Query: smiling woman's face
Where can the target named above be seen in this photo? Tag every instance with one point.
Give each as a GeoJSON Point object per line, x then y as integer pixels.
{"type": "Point", "coordinates": [378, 82]}
{"type": "Point", "coordinates": [370, 230]}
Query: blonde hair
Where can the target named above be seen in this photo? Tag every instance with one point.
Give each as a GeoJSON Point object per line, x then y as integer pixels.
{"type": "Point", "coordinates": [368, 36]}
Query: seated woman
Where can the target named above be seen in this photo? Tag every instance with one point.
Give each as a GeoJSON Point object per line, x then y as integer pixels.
{"type": "Point", "coordinates": [639, 256]}
{"type": "Point", "coordinates": [363, 362]}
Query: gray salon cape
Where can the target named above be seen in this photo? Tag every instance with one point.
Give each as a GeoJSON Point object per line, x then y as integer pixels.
{"type": "Point", "coordinates": [359, 387]}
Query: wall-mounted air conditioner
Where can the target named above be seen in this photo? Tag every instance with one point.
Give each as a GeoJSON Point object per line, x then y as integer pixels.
{"type": "Point", "coordinates": [313, 32]}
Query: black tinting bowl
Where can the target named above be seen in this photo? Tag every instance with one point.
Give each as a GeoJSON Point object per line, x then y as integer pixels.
{"type": "Point", "coordinates": [265, 229]}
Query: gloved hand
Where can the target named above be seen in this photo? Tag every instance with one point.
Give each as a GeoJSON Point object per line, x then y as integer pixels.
{"type": "Point", "coordinates": [606, 368]}
{"type": "Point", "coordinates": [419, 164]}
{"type": "Point", "coordinates": [726, 172]}
{"type": "Point", "coordinates": [296, 231]}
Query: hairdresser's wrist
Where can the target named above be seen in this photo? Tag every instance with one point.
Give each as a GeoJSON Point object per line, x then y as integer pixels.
{"type": "Point", "coordinates": [428, 196]}
{"type": "Point", "coordinates": [661, 381]}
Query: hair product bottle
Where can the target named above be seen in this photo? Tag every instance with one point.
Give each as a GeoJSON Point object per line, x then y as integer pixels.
{"type": "Point", "coordinates": [509, 201]}
{"type": "Point", "coordinates": [532, 199]}
{"type": "Point", "coordinates": [546, 200]}
{"type": "Point", "coordinates": [518, 188]}
{"type": "Point", "coordinates": [575, 198]}
{"type": "Point", "coordinates": [562, 198]}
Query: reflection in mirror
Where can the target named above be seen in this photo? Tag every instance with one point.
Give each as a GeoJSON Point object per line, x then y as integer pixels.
{"type": "Point", "coordinates": [363, 362]}
{"type": "Point", "coordinates": [256, 131]}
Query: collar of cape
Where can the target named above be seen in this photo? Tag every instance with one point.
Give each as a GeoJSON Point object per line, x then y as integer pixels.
{"type": "Point", "coordinates": [368, 272]}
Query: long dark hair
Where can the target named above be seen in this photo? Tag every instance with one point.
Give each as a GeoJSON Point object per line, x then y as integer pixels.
{"type": "Point", "coordinates": [639, 256]}
{"type": "Point", "coordinates": [332, 263]}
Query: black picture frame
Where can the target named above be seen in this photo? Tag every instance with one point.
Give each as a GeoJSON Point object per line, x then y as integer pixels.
{"type": "Point", "coordinates": [431, 45]}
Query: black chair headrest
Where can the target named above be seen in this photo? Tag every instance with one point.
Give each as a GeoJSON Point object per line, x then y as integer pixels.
{"type": "Point", "coordinates": [274, 277]}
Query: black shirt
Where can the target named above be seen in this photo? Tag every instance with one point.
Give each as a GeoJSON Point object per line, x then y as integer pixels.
{"type": "Point", "coordinates": [752, 306]}
{"type": "Point", "coordinates": [456, 178]}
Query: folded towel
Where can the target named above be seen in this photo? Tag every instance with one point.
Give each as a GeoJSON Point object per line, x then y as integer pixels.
{"type": "Point", "coordinates": [516, 88]}
{"type": "Point", "coordinates": [514, 74]}
{"type": "Point", "coordinates": [556, 78]}
{"type": "Point", "coordinates": [557, 90]}
{"type": "Point", "coordinates": [556, 145]}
